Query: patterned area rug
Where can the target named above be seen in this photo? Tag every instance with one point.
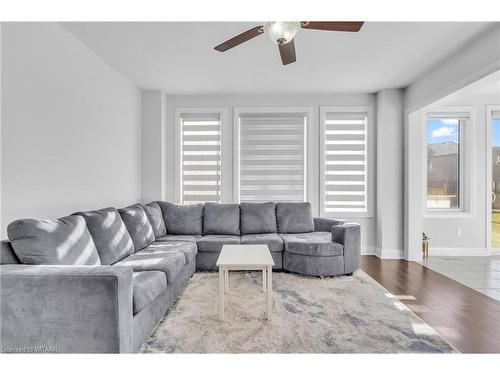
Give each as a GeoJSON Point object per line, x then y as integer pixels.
{"type": "Point", "coordinates": [310, 315]}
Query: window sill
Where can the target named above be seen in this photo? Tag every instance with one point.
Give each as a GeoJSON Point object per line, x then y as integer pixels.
{"type": "Point", "coordinates": [345, 215]}
{"type": "Point", "coordinates": [448, 215]}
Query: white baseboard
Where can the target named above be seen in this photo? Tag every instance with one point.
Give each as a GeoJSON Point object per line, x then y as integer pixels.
{"type": "Point", "coordinates": [434, 251]}
{"type": "Point", "coordinates": [390, 253]}
{"type": "Point", "coordinates": [385, 254]}
{"type": "Point", "coordinates": [457, 252]}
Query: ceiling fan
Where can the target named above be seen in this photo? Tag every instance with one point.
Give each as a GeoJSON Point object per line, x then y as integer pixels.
{"type": "Point", "coordinates": [282, 33]}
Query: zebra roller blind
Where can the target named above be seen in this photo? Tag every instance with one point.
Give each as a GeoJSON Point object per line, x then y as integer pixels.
{"type": "Point", "coordinates": [345, 162]}
{"type": "Point", "coordinates": [201, 158]}
{"type": "Point", "coordinates": [271, 157]}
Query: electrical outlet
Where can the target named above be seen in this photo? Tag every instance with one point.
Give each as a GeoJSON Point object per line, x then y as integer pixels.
{"type": "Point", "coordinates": [459, 232]}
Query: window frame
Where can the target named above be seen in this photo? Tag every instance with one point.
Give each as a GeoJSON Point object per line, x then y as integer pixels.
{"type": "Point", "coordinates": [466, 115]}
{"type": "Point", "coordinates": [490, 108]}
{"type": "Point", "coordinates": [370, 162]}
{"type": "Point", "coordinates": [178, 112]}
{"type": "Point", "coordinates": [303, 110]}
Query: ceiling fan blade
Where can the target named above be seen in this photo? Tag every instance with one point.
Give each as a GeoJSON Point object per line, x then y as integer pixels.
{"type": "Point", "coordinates": [241, 38]}
{"type": "Point", "coordinates": [333, 26]}
{"type": "Point", "coordinates": [287, 52]}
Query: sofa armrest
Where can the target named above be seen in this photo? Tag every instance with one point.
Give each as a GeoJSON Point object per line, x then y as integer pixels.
{"type": "Point", "coordinates": [66, 308]}
{"type": "Point", "coordinates": [349, 235]}
{"type": "Point", "coordinates": [325, 225]}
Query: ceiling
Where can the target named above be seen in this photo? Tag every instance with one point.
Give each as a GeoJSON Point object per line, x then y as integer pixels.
{"type": "Point", "coordinates": [178, 57]}
{"type": "Point", "coordinates": [490, 85]}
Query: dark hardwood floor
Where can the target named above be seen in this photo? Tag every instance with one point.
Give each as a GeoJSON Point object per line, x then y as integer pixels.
{"type": "Point", "coordinates": [468, 320]}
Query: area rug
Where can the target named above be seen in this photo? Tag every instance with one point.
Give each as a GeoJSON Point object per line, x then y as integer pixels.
{"type": "Point", "coordinates": [310, 315]}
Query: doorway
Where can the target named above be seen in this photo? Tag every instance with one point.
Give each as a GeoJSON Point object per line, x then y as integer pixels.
{"type": "Point", "coordinates": [493, 119]}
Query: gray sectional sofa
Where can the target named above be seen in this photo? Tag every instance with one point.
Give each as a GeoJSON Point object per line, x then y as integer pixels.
{"type": "Point", "coordinates": [99, 281]}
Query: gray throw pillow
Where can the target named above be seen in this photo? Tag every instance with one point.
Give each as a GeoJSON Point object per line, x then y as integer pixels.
{"type": "Point", "coordinates": [294, 217]}
{"type": "Point", "coordinates": [110, 235]}
{"type": "Point", "coordinates": [258, 218]}
{"type": "Point", "coordinates": [182, 219]}
{"type": "Point", "coordinates": [64, 241]}
{"type": "Point", "coordinates": [221, 219]}
{"type": "Point", "coordinates": [155, 216]}
{"type": "Point", "coordinates": [138, 226]}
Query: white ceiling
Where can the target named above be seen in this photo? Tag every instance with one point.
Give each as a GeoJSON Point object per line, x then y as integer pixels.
{"type": "Point", "coordinates": [178, 57]}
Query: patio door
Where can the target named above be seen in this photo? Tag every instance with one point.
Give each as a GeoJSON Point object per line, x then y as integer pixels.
{"type": "Point", "coordinates": [493, 119]}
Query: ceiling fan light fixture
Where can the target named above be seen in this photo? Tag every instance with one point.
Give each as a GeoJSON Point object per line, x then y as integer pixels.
{"type": "Point", "coordinates": [281, 32]}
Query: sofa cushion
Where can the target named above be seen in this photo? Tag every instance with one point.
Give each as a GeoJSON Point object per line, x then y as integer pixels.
{"type": "Point", "coordinates": [182, 219]}
{"type": "Point", "coordinates": [7, 254]}
{"type": "Point", "coordinates": [138, 226]}
{"type": "Point", "coordinates": [170, 263]}
{"type": "Point", "coordinates": [272, 240]}
{"type": "Point", "coordinates": [221, 219]}
{"type": "Point", "coordinates": [155, 216]}
{"type": "Point", "coordinates": [110, 235]}
{"type": "Point", "coordinates": [146, 286]}
{"type": "Point", "coordinates": [312, 244]}
{"type": "Point", "coordinates": [64, 241]}
{"type": "Point", "coordinates": [189, 249]}
{"type": "Point", "coordinates": [213, 243]}
{"type": "Point", "coordinates": [294, 217]}
{"type": "Point", "coordinates": [258, 218]}
{"type": "Point", "coordinates": [179, 238]}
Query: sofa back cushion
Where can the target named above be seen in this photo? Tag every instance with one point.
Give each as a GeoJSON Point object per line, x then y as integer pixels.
{"type": "Point", "coordinates": [138, 226]}
{"type": "Point", "coordinates": [258, 218]}
{"type": "Point", "coordinates": [110, 235]}
{"type": "Point", "coordinates": [182, 219]}
{"type": "Point", "coordinates": [221, 219]}
{"type": "Point", "coordinates": [64, 241]}
{"type": "Point", "coordinates": [155, 216]}
{"type": "Point", "coordinates": [294, 217]}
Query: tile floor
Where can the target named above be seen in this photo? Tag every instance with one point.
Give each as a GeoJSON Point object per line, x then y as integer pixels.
{"type": "Point", "coordinates": [479, 273]}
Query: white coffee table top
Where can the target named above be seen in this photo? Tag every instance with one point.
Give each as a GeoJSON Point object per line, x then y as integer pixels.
{"type": "Point", "coordinates": [248, 255]}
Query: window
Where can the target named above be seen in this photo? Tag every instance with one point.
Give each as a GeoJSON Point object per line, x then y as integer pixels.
{"type": "Point", "coordinates": [344, 161]}
{"type": "Point", "coordinates": [200, 153]}
{"type": "Point", "coordinates": [270, 162]}
{"type": "Point", "coordinates": [444, 160]}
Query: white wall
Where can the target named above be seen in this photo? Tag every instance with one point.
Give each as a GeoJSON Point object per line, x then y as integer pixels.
{"type": "Point", "coordinates": [443, 232]}
{"type": "Point", "coordinates": [471, 63]}
{"type": "Point", "coordinates": [70, 126]}
{"type": "Point", "coordinates": [153, 145]}
{"type": "Point", "coordinates": [1, 129]}
{"type": "Point", "coordinates": [229, 102]}
{"type": "Point", "coordinates": [390, 179]}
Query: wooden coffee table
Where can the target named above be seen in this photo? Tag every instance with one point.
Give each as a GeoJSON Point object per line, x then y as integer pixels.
{"type": "Point", "coordinates": [245, 258]}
